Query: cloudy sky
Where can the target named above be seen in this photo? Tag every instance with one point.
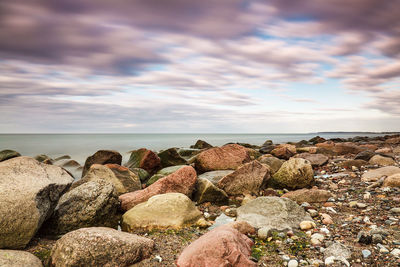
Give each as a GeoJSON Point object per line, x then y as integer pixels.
{"type": "Point", "coordinates": [237, 66]}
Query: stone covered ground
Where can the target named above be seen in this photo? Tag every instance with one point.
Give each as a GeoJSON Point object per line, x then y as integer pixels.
{"type": "Point", "coordinates": [312, 203]}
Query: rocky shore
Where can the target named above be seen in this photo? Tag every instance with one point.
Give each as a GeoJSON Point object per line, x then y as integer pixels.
{"type": "Point", "coordinates": [312, 203]}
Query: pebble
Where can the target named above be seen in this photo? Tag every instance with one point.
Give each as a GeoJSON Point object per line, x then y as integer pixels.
{"type": "Point", "coordinates": [367, 195]}
{"type": "Point", "coordinates": [231, 212]}
{"type": "Point", "coordinates": [307, 225]}
{"type": "Point", "coordinates": [285, 258]}
{"type": "Point", "coordinates": [324, 231]}
{"type": "Point", "coordinates": [366, 253]}
{"type": "Point", "coordinates": [326, 218]}
{"type": "Point", "coordinates": [264, 232]}
{"type": "Point", "coordinates": [393, 210]}
{"type": "Point", "coordinates": [316, 239]}
{"type": "Point", "coordinates": [361, 205]}
{"type": "Point", "coordinates": [293, 263]}
{"type": "Point", "coordinates": [395, 252]}
{"type": "Point", "coordinates": [382, 249]}
{"type": "Point", "coordinates": [313, 213]}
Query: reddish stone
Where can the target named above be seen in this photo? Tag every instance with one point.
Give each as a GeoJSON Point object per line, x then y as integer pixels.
{"type": "Point", "coordinates": [223, 246]}
{"type": "Point", "coordinates": [144, 159]}
{"type": "Point", "coordinates": [284, 151]}
{"type": "Point", "coordinates": [309, 195]}
{"type": "Point", "coordinates": [228, 157]}
{"type": "Point", "coordinates": [340, 148]}
{"type": "Point", "coordinates": [182, 181]}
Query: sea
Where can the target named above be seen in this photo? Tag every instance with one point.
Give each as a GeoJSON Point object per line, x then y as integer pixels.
{"type": "Point", "coordinates": [80, 146]}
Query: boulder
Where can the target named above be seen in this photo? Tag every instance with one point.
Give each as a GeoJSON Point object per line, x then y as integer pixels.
{"type": "Point", "coordinates": [375, 175]}
{"type": "Point", "coordinates": [340, 148]}
{"type": "Point", "coordinates": [392, 141]}
{"type": "Point", "coordinates": [182, 181]}
{"type": "Point", "coordinates": [141, 173]}
{"type": "Point", "coordinates": [266, 149]}
{"type": "Point", "coordinates": [317, 139]}
{"type": "Point", "coordinates": [15, 258]}
{"type": "Point", "coordinates": [144, 159]}
{"type": "Point", "coordinates": [284, 151]}
{"type": "Point", "coordinates": [215, 176]}
{"type": "Point", "coordinates": [71, 163]}
{"type": "Point", "coordinates": [102, 157]}
{"type": "Point", "coordinates": [396, 150]}
{"type": "Point", "coordinates": [62, 157]}
{"type": "Point", "coordinates": [249, 178]}
{"type": "Point", "coordinates": [294, 174]}
{"type": "Point", "coordinates": [171, 210]}
{"type": "Point", "coordinates": [94, 203]}
{"type": "Point", "coordinates": [381, 161]}
{"type": "Point", "coordinates": [313, 195]}
{"type": "Point", "coordinates": [316, 160]}
{"type": "Point", "coordinates": [206, 191]}
{"type": "Point", "coordinates": [200, 144]}
{"type": "Point", "coordinates": [222, 246]}
{"type": "Point", "coordinates": [273, 212]}
{"type": "Point", "coordinates": [171, 157]}
{"type": "Point", "coordinates": [227, 157]}
{"type": "Point", "coordinates": [348, 164]}
{"type": "Point", "coordinates": [99, 246]}
{"type": "Point", "coordinates": [162, 173]}
{"type": "Point", "coordinates": [44, 159]}
{"type": "Point", "coordinates": [121, 177]}
{"type": "Point", "coordinates": [29, 191]}
{"type": "Point", "coordinates": [392, 181]}
{"type": "Point", "coordinates": [8, 154]}
{"type": "Point", "coordinates": [188, 153]}
{"type": "Point", "coordinates": [273, 163]}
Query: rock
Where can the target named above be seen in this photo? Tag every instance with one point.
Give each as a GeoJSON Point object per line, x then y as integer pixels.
{"type": "Point", "coordinates": [395, 252]}
{"type": "Point", "coordinates": [274, 212]}
{"type": "Point", "coordinates": [44, 159]}
{"type": "Point", "coordinates": [316, 140]}
{"type": "Point", "coordinates": [313, 195]}
{"type": "Point", "coordinates": [223, 246]}
{"type": "Point", "coordinates": [102, 157]}
{"type": "Point", "coordinates": [171, 157]}
{"type": "Point", "coordinates": [273, 163]}
{"type": "Point", "coordinates": [337, 250]}
{"type": "Point", "coordinates": [284, 151]}
{"type": "Point", "coordinates": [62, 157]}
{"type": "Point", "coordinates": [182, 181]}
{"type": "Point", "coordinates": [340, 148]}
{"type": "Point", "coordinates": [392, 181]}
{"type": "Point", "coordinates": [394, 140]}
{"type": "Point", "coordinates": [71, 163]}
{"type": "Point", "coordinates": [314, 159]}
{"type": "Point", "coordinates": [94, 203]}
{"type": "Point", "coordinates": [294, 174]}
{"type": "Point", "coordinates": [366, 253]}
{"type": "Point", "coordinates": [307, 225]}
{"type": "Point", "coordinates": [228, 157]}
{"type": "Point", "coordinates": [317, 239]}
{"type": "Point", "coordinates": [8, 154]}
{"type": "Point", "coordinates": [332, 259]}
{"type": "Point", "coordinates": [247, 179]}
{"type": "Point", "coordinates": [141, 173]}
{"type": "Point", "coordinates": [264, 232]}
{"type": "Point", "coordinates": [188, 153]}
{"type": "Point", "coordinates": [266, 149]}
{"type": "Point", "coordinates": [200, 144]}
{"type": "Point", "coordinates": [17, 258]}
{"type": "Point", "coordinates": [162, 173]}
{"type": "Point", "coordinates": [121, 177]}
{"type": "Point", "coordinates": [208, 192]}
{"type": "Point", "coordinates": [396, 150]}
{"type": "Point", "coordinates": [349, 164]}
{"type": "Point", "coordinates": [221, 220]}
{"type": "Point", "coordinates": [326, 218]}
{"type": "Point", "coordinates": [215, 176]}
{"type": "Point", "coordinates": [381, 161]}
{"type": "Point", "coordinates": [29, 191]}
{"type": "Point", "coordinates": [365, 155]}
{"type": "Point", "coordinates": [293, 263]}
{"type": "Point", "coordinates": [144, 159]}
{"type": "Point", "coordinates": [375, 175]}
{"type": "Point", "coordinates": [395, 210]}
{"type": "Point", "coordinates": [99, 246]}
{"type": "Point", "coordinates": [171, 210]}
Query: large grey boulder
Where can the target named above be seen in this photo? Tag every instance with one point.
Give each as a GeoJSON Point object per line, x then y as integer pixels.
{"type": "Point", "coordinates": [273, 212]}
{"type": "Point", "coordinates": [29, 191]}
{"type": "Point", "coordinates": [15, 258]}
{"type": "Point", "coordinates": [99, 246]}
{"type": "Point", "coordinates": [94, 203]}
{"type": "Point", "coordinates": [295, 173]}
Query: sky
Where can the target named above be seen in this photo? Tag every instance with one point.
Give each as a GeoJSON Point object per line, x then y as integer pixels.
{"type": "Point", "coordinates": [209, 66]}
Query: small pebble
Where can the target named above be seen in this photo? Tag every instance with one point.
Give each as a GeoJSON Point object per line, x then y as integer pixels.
{"type": "Point", "coordinates": [293, 263]}
{"type": "Point", "coordinates": [366, 253]}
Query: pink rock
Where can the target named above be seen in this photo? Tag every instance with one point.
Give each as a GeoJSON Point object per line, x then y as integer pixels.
{"type": "Point", "coordinates": [223, 246]}
{"type": "Point", "coordinates": [284, 151]}
{"type": "Point", "coordinates": [228, 157]}
{"type": "Point", "coordinates": [341, 148]}
{"type": "Point", "coordinates": [182, 181]}
{"type": "Point", "coordinates": [309, 195]}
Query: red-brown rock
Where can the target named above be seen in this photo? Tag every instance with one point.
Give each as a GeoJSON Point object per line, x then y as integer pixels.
{"type": "Point", "coordinates": [102, 157]}
{"type": "Point", "coordinates": [284, 151]}
{"type": "Point", "coordinates": [223, 246]}
{"type": "Point", "coordinates": [182, 181]}
{"type": "Point", "coordinates": [227, 157]}
{"type": "Point", "coordinates": [340, 148]}
{"type": "Point", "coordinates": [313, 195]}
{"type": "Point", "coordinates": [144, 159]}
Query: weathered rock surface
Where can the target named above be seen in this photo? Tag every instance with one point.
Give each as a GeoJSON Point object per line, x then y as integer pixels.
{"type": "Point", "coordinates": [44, 159]}
{"type": "Point", "coordinates": [273, 163]}
{"type": "Point", "coordinates": [8, 154]}
{"type": "Point", "coordinates": [228, 157]}
{"type": "Point", "coordinates": [99, 246]}
{"type": "Point", "coordinates": [222, 246]}
{"type": "Point", "coordinates": [206, 191]}
{"type": "Point", "coordinates": [94, 203]}
{"type": "Point", "coordinates": [141, 173]}
{"type": "Point", "coordinates": [284, 151]}
{"type": "Point", "coordinates": [17, 258]}
{"type": "Point", "coordinates": [171, 157]}
{"type": "Point", "coordinates": [144, 159]}
{"type": "Point", "coordinates": [171, 210]}
{"type": "Point", "coordinates": [392, 181]}
{"type": "Point", "coordinates": [162, 173]}
{"type": "Point", "coordinates": [381, 161]}
{"type": "Point", "coordinates": [215, 176]}
{"type": "Point", "coordinates": [200, 144]}
{"type": "Point", "coordinates": [375, 175]}
{"type": "Point", "coordinates": [313, 195]}
{"type": "Point", "coordinates": [294, 174]}
{"type": "Point", "coordinates": [340, 148]}
{"type": "Point", "coordinates": [29, 191]}
{"type": "Point", "coordinates": [348, 164]}
{"type": "Point", "coordinates": [121, 177]}
{"type": "Point", "coordinates": [102, 157]}
{"type": "Point", "coordinates": [247, 179]}
{"type": "Point", "coordinates": [273, 212]}
{"type": "Point", "coordinates": [182, 181]}
{"type": "Point", "coordinates": [314, 159]}
{"type": "Point", "coordinates": [365, 155]}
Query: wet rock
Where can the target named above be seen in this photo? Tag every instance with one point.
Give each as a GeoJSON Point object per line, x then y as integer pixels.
{"type": "Point", "coordinates": [375, 175]}
{"type": "Point", "coordinates": [228, 157]}
{"type": "Point", "coordinates": [171, 157]}
{"type": "Point", "coordinates": [144, 159]}
{"type": "Point", "coordinates": [8, 154]}
{"type": "Point", "coordinates": [208, 192]}
{"type": "Point", "coordinates": [273, 163]}
{"type": "Point", "coordinates": [295, 173]}
{"type": "Point", "coordinates": [316, 140]}
{"type": "Point", "coordinates": [141, 173]}
{"type": "Point", "coordinates": [215, 176]}
{"type": "Point", "coordinates": [365, 155]}
{"type": "Point", "coordinates": [182, 181]}
{"type": "Point", "coordinates": [200, 144]}
{"type": "Point", "coordinates": [99, 246]}
{"type": "Point", "coordinates": [29, 191]}
{"type": "Point", "coordinates": [223, 246]}
{"type": "Point", "coordinates": [71, 163]}
{"type": "Point", "coordinates": [247, 179]}
{"type": "Point", "coordinates": [284, 151]}
{"type": "Point", "coordinates": [274, 212]}
{"type": "Point", "coordinates": [62, 158]}
{"type": "Point", "coordinates": [314, 159]}
{"type": "Point", "coordinates": [381, 161]}
{"type": "Point", "coordinates": [17, 258]}
{"type": "Point", "coordinates": [44, 159]}
{"type": "Point", "coordinates": [173, 210]}
{"type": "Point", "coordinates": [313, 195]}
{"type": "Point", "coordinates": [102, 157]}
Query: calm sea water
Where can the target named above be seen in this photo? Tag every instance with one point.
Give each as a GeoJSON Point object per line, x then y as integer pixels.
{"type": "Point", "coordinates": [80, 146]}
